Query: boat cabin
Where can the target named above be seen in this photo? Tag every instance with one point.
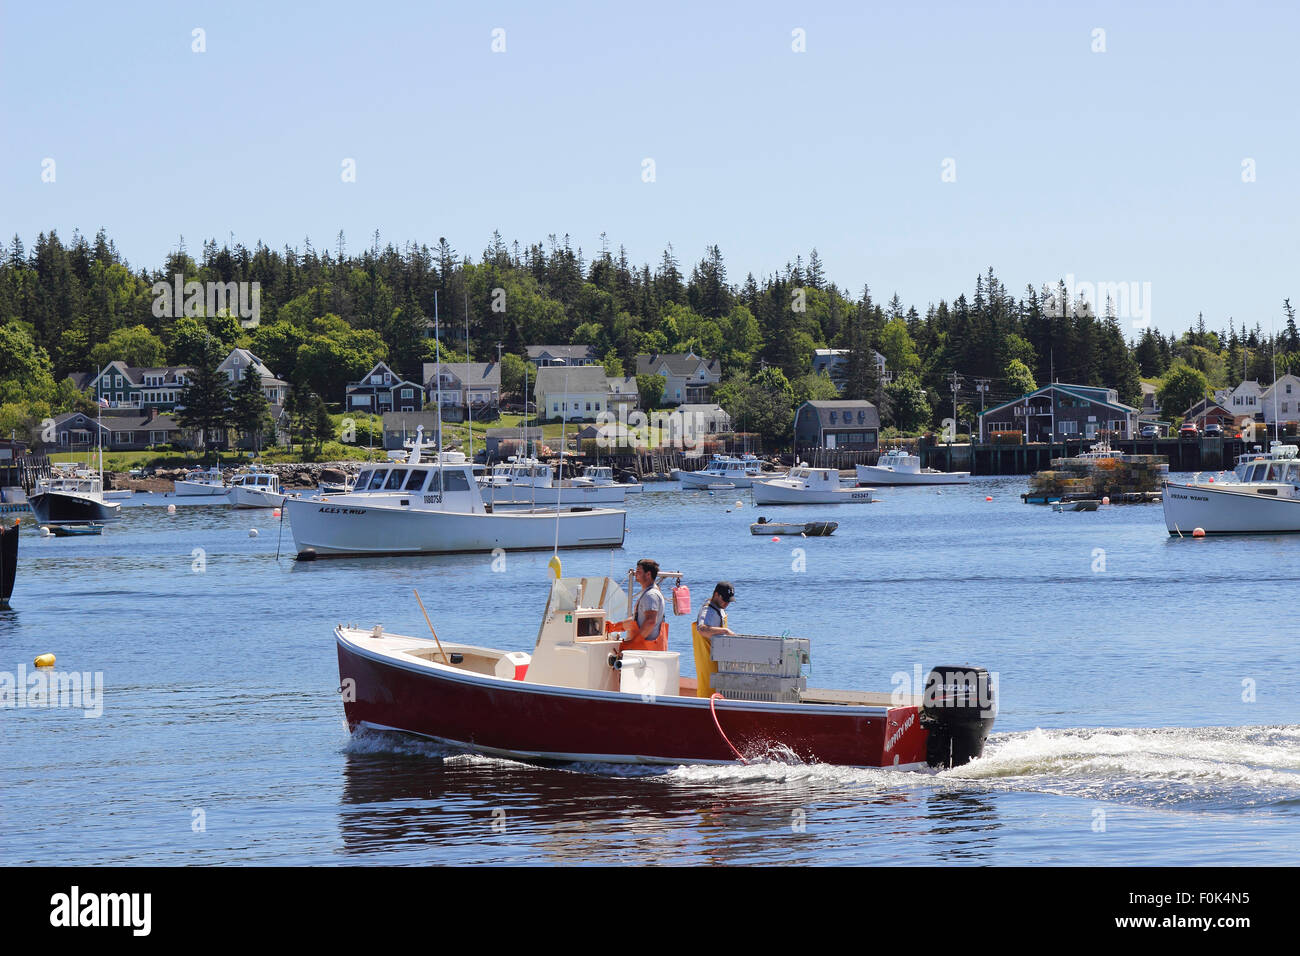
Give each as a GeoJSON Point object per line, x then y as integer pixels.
{"type": "Point", "coordinates": [258, 481]}
{"type": "Point", "coordinates": [1279, 464]}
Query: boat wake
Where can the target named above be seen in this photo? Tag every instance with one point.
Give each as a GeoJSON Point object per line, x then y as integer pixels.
{"type": "Point", "coordinates": [1194, 767]}
{"type": "Point", "coordinates": [1199, 767]}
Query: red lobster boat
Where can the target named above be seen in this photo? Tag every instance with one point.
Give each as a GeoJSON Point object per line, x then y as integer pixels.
{"type": "Point", "coordinates": [575, 700]}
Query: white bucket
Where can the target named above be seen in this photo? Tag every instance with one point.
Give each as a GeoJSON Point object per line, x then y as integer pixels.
{"type": "Point", "coordinates": [650, 672]}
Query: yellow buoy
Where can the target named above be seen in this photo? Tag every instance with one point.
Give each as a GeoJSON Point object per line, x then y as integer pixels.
{"type": "Point", "coordinates": [554, 564]}
{"type": "Point", "coordinates": [45, 660]}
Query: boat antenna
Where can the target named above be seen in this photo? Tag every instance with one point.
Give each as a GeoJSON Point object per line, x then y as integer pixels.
{"type": "Point", "coordinates": [559, 483]}
{"type": "Point", "coordinates": [1277, 425]}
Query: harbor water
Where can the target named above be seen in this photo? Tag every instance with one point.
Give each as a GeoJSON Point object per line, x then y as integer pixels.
{"type": "Point", "coordinates": [1149, 693]}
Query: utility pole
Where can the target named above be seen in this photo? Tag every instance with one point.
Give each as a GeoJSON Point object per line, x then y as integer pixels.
{"type": "Point", "coordinates": [982, 386]}
{"type": "Point", "coordinates": [956, 379]}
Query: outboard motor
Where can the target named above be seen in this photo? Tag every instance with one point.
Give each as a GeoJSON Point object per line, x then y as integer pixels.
{"type": "Point", "coordinates": [957, 710]}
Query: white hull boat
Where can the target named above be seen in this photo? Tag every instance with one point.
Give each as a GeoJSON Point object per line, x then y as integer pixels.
{"type": "Point", "coordinates": [342, 526]}
{"type": "Point", "coordinates": [256, 489]}
{"type": "Point", "coordinates": [201, 484]}
{"type": "Point", "coordinates": [896, 467]}
{"type": "Point", "coordinates": [432, 508]}
{"type": "Point", "coordinates": [528, 482]}
{"type": "Point", "coordinates": [1261, 497]}
{"type": "Point", "coordinates": [738, 472]}
{"type": "Point", "coordinates": [809, 486]}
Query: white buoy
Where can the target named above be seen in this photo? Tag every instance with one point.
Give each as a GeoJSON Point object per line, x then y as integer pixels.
{"type": "Point", "coordinates": [740, 504]}
{"type": "Point", "coordinates": [171, 509]}
{"type": "Point", "coordinates": [252, 532]}
{"type": "Point", "coordinates": [45, 532]}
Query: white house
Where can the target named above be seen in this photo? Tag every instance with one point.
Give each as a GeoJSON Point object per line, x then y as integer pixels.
{"type": "Point", "coordinates": [237, 364]}
{"type": "Point", "coordinates": [1286, 408]}
{"type": "Point", "coordinates": [580, 393]}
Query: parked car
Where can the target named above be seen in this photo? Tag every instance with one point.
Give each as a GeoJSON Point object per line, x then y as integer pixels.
{"type": "Point", "coordinates": [1189, 430]}
{"type": "Point", "coordinates": [1150, 431]}
{"type": "Point", "coordinates": [1214, 428]}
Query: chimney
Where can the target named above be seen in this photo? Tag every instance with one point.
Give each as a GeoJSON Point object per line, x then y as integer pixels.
{"type": "Point", "coordinates": [153, 412]}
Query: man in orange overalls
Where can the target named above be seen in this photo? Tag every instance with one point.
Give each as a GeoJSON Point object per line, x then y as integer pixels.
{"type": "Point", "coordinates": [647, 627]}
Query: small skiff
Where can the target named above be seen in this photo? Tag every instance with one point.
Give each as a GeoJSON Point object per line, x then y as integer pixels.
{"type": "Point", "coordinates": [811, 529]}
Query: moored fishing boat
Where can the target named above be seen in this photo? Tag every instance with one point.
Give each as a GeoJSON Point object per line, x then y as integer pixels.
{"type": "Point", "coordinates": [78, 499]}
{"type": "Point", "coordinates": [1260, 496]}
{"type": "Point", "coordinates": [256, 488]}
{"type": "Point", "coordinates": [721, 469]}
{"type": "Point", "coordinates": [897, 467]}
{"type": "Point", "coordinates": [574, 698]}
{"type": "Point", "coordinates": [202, 484]}
{"type": "Point", "coordinates": [527, 481]}
{"type": "Point", "coordinates": [603, 476]}
{"type": "Point", "coordinates": [420, 507]}
{"type": "Point", "coordinates": [809, 486]}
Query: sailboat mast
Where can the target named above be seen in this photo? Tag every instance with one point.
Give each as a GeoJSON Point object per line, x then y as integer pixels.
{"type": "Point", "coordinates": [437, 369]}
{"type": "Point", "coordinates": [469, 411]}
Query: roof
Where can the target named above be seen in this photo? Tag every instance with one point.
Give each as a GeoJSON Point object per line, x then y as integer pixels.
{"type": "Point", "coordinates": [135, 376]}
{"type": "Point", "coordinates": [1203, 407]}
{"type": "Point", "coordinates": [470, 374]}
{"type": "Point", "coordinates": [118, 422]}
{"type": "Point", "coordinates": [583, 378]}
{"type": "Point", "coordinates": [682, 365]}
{"type": "Point", "coordinates": [562, 351]}
{"type": "Point", "coordinates": [821, 413]}
{"type": "Point", "coordinates": [1088, 392]}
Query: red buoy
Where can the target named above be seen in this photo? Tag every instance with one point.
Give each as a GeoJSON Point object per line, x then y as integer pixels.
{"type": "Point", "coordinates": [1198, 533]}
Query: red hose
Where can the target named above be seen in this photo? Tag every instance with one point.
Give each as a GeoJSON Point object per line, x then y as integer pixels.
{"type": "Point", "coordinates": [714, 712]}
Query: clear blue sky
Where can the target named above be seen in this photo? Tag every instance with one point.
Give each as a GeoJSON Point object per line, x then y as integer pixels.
{"type": "Point", "coordinates": [1117, 166]}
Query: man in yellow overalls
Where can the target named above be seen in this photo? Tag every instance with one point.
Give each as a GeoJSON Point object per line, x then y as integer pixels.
{"type": "Point", "coordinates": [711, 622]}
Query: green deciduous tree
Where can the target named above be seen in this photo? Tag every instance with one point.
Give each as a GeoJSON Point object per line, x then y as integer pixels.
{"type": "Point", "coordinates": [1183, 387]}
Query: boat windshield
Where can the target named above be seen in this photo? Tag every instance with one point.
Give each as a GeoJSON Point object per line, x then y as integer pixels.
{"type": "Point", "coordinates": [376, 480]}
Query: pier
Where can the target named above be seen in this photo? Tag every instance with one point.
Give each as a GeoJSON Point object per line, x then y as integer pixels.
{"type": "Point", "coordinates": [1199, 454]}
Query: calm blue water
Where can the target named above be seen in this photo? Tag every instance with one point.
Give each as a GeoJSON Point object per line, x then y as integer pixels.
{"type": "Point", "coordinates": [1149, 694]}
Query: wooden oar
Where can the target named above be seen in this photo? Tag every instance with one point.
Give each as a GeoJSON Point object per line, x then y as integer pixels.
{"type": "Point", "coordinates": [431, 630]}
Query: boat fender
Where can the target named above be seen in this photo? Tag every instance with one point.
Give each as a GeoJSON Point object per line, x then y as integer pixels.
{"type": "Point", "coordinates": [957, 710]}
{"type": "Point", "coordinates": [45, 660]}
{"type": "Point", "coordinates": [307, 554]}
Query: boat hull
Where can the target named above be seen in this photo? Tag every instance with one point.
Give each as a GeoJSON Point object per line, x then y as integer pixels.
{"type": "Point", "coordinates": [872, 475]}
{"type": "Point", "coordinates": [52, 507]}
{"type": "Point", "coordinates": [485, 714]}
{"type": "Point", "coordinates": [8, 562]}
{"type": "Point", "coordinates": [342, 528]}
{"type": "Point", "coordinates": [769, 493]}
{"type": "Point", "coordinates": [1226, 510]}
{"type": "Point", "coordinates": [254, 498]}
{"type": "Point", "coordinates": [195, 489]}
{"type": "Point", "coordinates": [700, 480]}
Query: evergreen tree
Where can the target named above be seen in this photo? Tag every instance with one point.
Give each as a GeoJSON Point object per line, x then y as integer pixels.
{"type": "Point", "coordinates": [250, 412]}
{"type": "Point", "coordinates": [205, 400]}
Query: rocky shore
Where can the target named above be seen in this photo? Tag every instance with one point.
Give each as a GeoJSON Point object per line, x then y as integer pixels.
{"type": "Point", "coordinates": [292, 476]}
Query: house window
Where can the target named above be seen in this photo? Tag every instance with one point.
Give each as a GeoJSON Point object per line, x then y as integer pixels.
{"type": "Point", "coordinates": [408, 393]}
{"type": "Point", "coordinates": [118, 383]}
{"type": "Point", "coordinates": [1288, 388]}
{"type": "Point", "coordinates": [598, 406]}
{"type": "Point", "coordinates": [589, 406]}
{"type": "Point", "coordinates": [1069, 428]}
{"type": "Point", "coordinates": [832, 418]}
{"type": "Point", "coordinates": [555, 406]}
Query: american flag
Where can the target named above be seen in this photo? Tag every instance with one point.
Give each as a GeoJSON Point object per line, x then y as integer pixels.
{"type": "Point", "coordinates": [103, 402]}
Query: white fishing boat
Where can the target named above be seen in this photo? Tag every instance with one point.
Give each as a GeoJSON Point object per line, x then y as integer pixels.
{"type": "Point", "coordinates": [898, 467]}
{"type": "Point", "coordinates": [256, 488]}
{"type": "Point", "coordinates": [527, 481]}
{"type": "Point", "coordinates": [602, 476]}
{"type": "Point", "coordinates": [202, 484]}
{"type": "Point", "coordinates": [419, 507]}
{"type": "Point", "coordinates": [1260, 496]}
{"type": "Point", "coordinates": [721, 469]}
{"type": "Point", "coordinates": [809, 486]}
